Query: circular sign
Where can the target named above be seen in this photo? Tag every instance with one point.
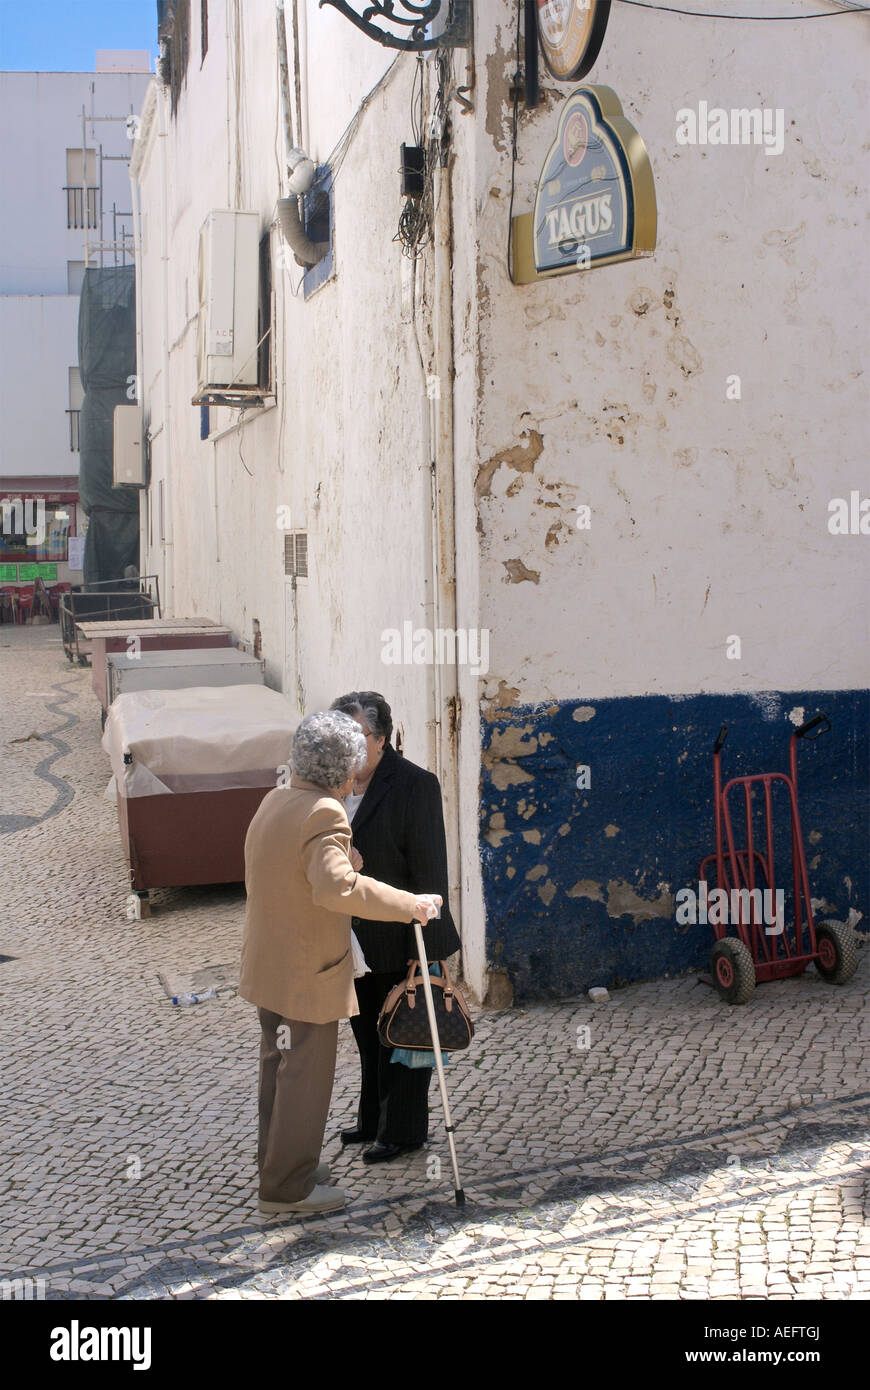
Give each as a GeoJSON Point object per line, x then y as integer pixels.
{"type": "Point", "coordinates": [571, 34]}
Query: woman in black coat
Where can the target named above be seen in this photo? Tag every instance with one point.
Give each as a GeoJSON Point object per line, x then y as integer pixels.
{"type": "Point", "coordinates": [398, 828]}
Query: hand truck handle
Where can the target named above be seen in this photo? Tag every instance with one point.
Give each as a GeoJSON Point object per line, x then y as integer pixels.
{"type": "Point", "coordinates": [804, 729]}
{"type": "Point", "coordinates": [720, 739]}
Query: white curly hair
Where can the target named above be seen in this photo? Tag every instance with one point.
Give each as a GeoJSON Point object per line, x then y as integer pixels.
{"type": "Point", "coordinates": [327, 748]}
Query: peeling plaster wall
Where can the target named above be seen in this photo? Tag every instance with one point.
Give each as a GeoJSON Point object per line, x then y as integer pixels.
{"type": "Point", "coordinates": [607, 389]}
{"type": "Point", "coordinates": [580, 885]}
{"type": "Point", "coordinates": [345, 447]}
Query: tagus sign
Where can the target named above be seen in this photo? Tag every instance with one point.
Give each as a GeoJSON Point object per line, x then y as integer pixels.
{"type": "Point", "coordinates": [596, 201]}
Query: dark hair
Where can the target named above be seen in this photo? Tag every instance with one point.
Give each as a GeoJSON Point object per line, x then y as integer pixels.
{"type": "Point", "coordinates": [371, 707]}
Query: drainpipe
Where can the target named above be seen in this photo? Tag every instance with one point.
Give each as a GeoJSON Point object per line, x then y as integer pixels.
{"type": "Point", "coordinates": [444, 527]}
{"type": "Point", "coordinates": [300, 26]}
{"type": "Point", "coordinates": [135, 204]}
{"type": "Point", "coordinates": [169, 529]}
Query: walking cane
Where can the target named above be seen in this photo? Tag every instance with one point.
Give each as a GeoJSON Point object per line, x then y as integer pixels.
{"type": "Point", "coordinates": [439, 1065]}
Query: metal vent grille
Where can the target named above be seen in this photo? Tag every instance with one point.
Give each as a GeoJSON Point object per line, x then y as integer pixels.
{"type": "Point", "coordinates": [296, 554]}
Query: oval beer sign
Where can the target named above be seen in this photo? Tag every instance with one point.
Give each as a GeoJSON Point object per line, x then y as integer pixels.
{"type": "Point", "coordinates": [571, 34]}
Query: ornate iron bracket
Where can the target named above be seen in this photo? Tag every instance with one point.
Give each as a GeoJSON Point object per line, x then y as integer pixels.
{"type": "Point", "coordinates": [416, 17]}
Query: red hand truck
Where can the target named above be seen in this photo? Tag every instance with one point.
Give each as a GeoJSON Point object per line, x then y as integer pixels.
{"type": "Point", "coordinates": [766, 951]}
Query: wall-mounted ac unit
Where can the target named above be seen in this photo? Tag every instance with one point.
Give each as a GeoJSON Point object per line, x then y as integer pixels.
{"type": "Point", "coordinates": [229, 250]}
{"type": "Point", "coordinates": [128, 455]}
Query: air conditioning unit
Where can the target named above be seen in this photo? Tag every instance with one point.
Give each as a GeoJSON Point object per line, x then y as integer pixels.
{"type": "Point", "coordinates": [229, 269]}
{"type": "Point", "coordinates": [128, 455]}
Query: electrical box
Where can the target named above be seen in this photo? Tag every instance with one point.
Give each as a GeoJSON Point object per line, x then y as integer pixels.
{"type": "Point", "coordinates": [229, 265]}
{"type": "Point", "coordinates": [128, 455]}
{"type": "Point", "coordinates": [413, 169]}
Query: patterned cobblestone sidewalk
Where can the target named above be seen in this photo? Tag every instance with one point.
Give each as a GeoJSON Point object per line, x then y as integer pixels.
{"type": "Point", "coordinates": [689, 1151]}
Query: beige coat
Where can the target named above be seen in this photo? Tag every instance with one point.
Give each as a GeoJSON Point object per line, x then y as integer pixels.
{"type": "Point", "coordinates": [302, 891]}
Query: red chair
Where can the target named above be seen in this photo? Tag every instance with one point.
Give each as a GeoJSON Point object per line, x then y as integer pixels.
{"type": "Point", "coordinates": [25, 601]}
{"type": "Point", "coordinates": [54, 593]}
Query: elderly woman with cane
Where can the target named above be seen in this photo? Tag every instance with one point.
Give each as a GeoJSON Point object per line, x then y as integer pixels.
{"type": "Point", "coordinates": [398, 829]}
{"type": "Point", "coordinates": [296, 956]}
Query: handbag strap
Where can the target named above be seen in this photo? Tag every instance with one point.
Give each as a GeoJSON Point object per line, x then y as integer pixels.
{"type": "Point", "coordinates": [445, 981]}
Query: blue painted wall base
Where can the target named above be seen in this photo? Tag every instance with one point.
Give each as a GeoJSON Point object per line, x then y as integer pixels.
{"type": "Point", "coordinates": [580, 883]}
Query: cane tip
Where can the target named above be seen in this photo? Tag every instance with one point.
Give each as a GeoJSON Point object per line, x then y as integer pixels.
{"type": "Point", "coordinates": [460, 1197]}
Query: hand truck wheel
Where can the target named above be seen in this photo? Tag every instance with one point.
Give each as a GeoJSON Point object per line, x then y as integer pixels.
{"type": "Point", "coordinates": [733, 970]}
{"type": "Point", "coordinates": [837, 958]}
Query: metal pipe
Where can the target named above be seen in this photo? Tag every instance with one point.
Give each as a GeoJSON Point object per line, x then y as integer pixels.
{"type": "Point", "coordinates": [300, 14]}
{"type": "Point", "coordinates": [444, 540]}
{"type": "Point", "coordinates": [136, 208]}
{"type": "Point", "coordinates": [168, 541]}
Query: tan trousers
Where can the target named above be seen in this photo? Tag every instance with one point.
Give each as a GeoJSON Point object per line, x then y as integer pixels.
{"type": "Point", "coordinates": [294, 1094]}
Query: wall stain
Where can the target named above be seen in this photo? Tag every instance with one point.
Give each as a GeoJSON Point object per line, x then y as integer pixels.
{"type": "Point", "coordinates": [518, 572]}
{"type": "Point", "coordinates": [622, 900]}
{"type": "Point", "coordinates": [521, 457]}
{"type": "Point", "coordinates": [586, 888]}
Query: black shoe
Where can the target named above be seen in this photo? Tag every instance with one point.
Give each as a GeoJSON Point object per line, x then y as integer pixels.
{"type": "Point", "coordinates": [383, 1153]}
{"type": "Point", "coordinates": [355, 1136]}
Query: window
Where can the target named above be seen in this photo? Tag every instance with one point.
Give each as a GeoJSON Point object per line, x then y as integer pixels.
{"type": "Point", "coordinates": [76, 396]}
{"type": "Point", "coordinates": [82, 192]}
{"type": "Point", "coordinates": [318, 217]}
{"type": "Point", "coordinates": [173, 33]}
{"type": "Point", "coordinates": [33, 530]}
{"type": "Point", "coordinates": [75, 275]}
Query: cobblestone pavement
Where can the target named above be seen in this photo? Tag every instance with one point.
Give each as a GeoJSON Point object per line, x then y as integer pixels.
{"type": "Point", "coordinates": [689, 1151]}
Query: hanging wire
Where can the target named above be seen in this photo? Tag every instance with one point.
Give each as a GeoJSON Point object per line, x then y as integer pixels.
{"type": "Point", "coordinates": [417, 216]}
{"type": "Point", "coordinates": [762, 18]}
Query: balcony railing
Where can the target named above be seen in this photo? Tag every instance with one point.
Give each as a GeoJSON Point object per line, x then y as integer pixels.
{"type": "Point", "coordinates": [74, 430]}
{"type": "Point", "coordinates": [75, 206]}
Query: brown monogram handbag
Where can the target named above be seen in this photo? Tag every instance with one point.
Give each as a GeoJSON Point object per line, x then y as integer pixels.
{"type": "Point", "coordinates": [404, 1018]}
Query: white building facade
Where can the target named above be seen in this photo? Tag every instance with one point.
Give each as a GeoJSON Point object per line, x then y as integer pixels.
{"type": "Point", "coordinates": [63, 210]}
{"type": "Point", "coordinates": [617, 486]}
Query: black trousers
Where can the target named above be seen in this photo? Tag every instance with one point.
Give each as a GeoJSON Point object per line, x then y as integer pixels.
{"type": "Point", "coordinates": [393, 1103]}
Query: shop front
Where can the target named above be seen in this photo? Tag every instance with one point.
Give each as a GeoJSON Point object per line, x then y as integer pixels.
{"type": "Point", "coordinates": [41, 543]}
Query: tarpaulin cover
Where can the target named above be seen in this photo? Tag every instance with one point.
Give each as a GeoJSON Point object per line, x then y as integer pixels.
{"type": "Point", "coordinates": [202, 738]}
{"type": "Point", "coordinates": [107, 363]}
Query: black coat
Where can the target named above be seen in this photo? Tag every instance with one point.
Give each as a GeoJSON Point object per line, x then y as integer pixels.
{"type": "Point", "coordinates": [399, 831]}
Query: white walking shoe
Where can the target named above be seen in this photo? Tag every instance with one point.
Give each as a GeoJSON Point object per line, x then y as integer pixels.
{"type": "Point", "coordinates": [320, 1199]}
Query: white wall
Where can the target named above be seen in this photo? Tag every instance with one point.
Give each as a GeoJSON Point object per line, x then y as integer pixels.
{"type": "Point", "coordinates": [344, 447]}
{"type": "Point", "coordinates": [38, 345]}
{"type": "Point", "coordinates": [43, 110]}
{"type": "Point", "coordinates": [709, 516]}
